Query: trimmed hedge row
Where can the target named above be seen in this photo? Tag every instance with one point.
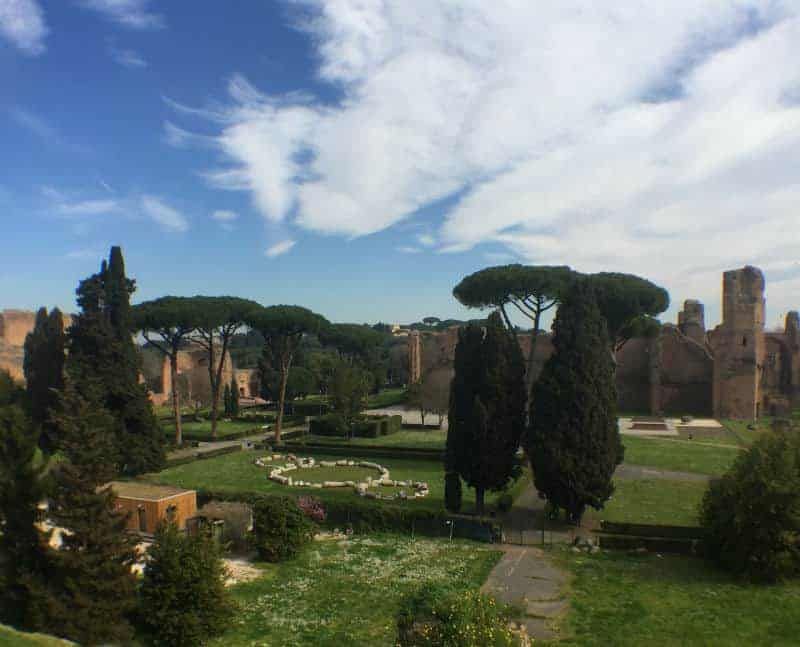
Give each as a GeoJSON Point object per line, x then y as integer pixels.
{"type": "Point", "coordinates": [371, 427]}
{"type": "Point", "coordinates": [369, 516]}
{"type": "Point", "coordinates": [366, 451]}
{"type": "Point", "coordinates": [310, 408]}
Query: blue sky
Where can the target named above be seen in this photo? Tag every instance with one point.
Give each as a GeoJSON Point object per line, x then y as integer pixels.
{"type": "Point", "coordinates": [360, 157]}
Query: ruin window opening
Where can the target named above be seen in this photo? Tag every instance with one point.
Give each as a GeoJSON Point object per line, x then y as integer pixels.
{"type": "Point", "coordinates": [171, 512]}
{"type": "Point", "coordinates": [744, 341]}
{"type": "Point", "coordinates": [142, 518]}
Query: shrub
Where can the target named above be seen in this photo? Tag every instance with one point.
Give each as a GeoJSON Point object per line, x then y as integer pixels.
{"type": "Point", "coordinates": [328, 425]}
{"type": "Point", "coordinates": [436, 617]}
{"type": "Point", "coordinates": [452, 491]}
{"type": "Point", "coordinates": [504, 502]}
{"type": "Point", "coordinates": [280, 528]}
{"type": "Point", "coordinates": [368, 428]}
{"type": "Point", "coordinates": [310, 408]}
{"type": "Point", "coordinates": [312, 508]}
{"type": "Point", "coordinates": [238, 518]}
{"type": "Point", "coordinates": [752, 514]}
{"type": "Point", "coordinates": [183, 599]}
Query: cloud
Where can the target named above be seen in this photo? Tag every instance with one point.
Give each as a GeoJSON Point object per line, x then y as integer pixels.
{"type": "Point", "coordinates": [133, 14]}
{"type": "Point", "coordinates": [426, 240]}
{"type": "Point", "coordinates": [88, 254]}
{"type": "Point", "coordinates": [35, 124]}
{"type": "Point", "coordinates": [22, 23]}
{"type": "Point", "coordinates": [166, 217]}
{"type": "Point", "coordinates": [225, 218]}
{"type": "Point", "coordinates": [279, 249]}
{"type": "Point", "coordinates": [127, 57]}
{"type": "Point", "coordinates": [671, 154]}
{"type": "Point", "coordinates": [408, 249]}
{"type": "Point", "coordinates": [88, 208]}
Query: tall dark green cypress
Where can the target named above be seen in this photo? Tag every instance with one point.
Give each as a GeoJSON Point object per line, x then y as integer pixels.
{"type": "Point", "coordinates": [487, 408]}
{"type": "Point", "coordinates": [94, 587]}
{"type": "Point", "coordinates": [226, 400]}
{"type": "Point", "coordinates": [27, 561]}
{"type": "Point", "coordinates": [105, 365]}
{"type": "Point", "coordinates": [573, 439]}
{"type": "Point", "coordinates": [44, 373]}
{"type": "Point", "coordinates": [234, 396]}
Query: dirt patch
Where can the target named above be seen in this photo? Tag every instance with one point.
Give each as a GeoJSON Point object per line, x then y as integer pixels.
{"type": "Point", "coordinates": [240, 570]}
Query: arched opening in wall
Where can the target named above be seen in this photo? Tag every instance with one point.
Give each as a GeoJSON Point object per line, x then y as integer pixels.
{"type": "Point", "coordinates": [241, 390]}
{"type": "Point", "coordinates": [171, 513]}
{"type": "Point", "coordinates": [744, 341]}
{"type": "Point", "coordinates": [142, 518]}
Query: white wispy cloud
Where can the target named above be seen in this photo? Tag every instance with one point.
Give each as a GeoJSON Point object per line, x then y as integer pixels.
{"type": "Point", "coordinates": [408, 249]}
{"type": "Point", "coordinates": [134, 14]}
{"type": "Point", "coordinates": [88, 208]}
{"type": "Point", "coordinates": [87, 254]}
{"type": "Point", "coordinates": [672, 153]}
{"type": "Point", "coordinates": [162, 214]}
{"type": "Point", "coordinates": [225, 218]}
{"type": "Point", "coordinates": [22, 24]}
{"type": "Point", "coordinates": [127, 57]}
{"type": "Point", "coordinates": [279, 249]}
{"type": "Point", "coordinates": [34, 123]}
{"type": "Point", "coordinates": [426, 240]}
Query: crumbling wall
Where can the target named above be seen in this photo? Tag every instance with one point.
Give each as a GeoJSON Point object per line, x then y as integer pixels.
{"type": "Point", "coordinates": [738, 345]}
{"type": "Point", "coordinates": [633, 376]}
{"type": "Point", "coordinates": [686, 374]}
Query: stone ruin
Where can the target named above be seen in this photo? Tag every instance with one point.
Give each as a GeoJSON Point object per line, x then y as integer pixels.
{"type": "Point", "coordinates": [737, 370]}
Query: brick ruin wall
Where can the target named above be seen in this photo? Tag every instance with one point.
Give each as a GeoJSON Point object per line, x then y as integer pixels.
{"type": "Point", "coordinates": [736, 370]}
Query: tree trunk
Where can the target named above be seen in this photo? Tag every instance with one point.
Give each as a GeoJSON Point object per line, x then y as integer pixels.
{"type": "Point", "coordinates": [285, 364]}
{"type": "Point", "coordinates": [176, 407]}
{"type": "Point", "coordinates": [479, 496]}
{"type": "Point", "coordinates": [532, 356]}
{"type": "Point", "coordinates": [214, 387]}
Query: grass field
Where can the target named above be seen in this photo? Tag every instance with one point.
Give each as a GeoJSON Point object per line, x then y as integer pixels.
{"type": "Point", "coordinates": [653, 501]}
{"type": "Point", "coordinates": [236, 472]}
{"type": "Point", "coordinates": [11, 638]}
{"type": "Point", "coordinates": [348, 592]}
{"type": "Point", "coordinates": [195, 430]}
{"type": "Point", "coordinates": [624, 600]}
{"type": "Point", "coordinates": [679, 455]}
{"type": "Point", "coordinates": [433, 439]}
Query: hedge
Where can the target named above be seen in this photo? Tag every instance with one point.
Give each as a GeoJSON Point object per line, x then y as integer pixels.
{"type": "Point", "coordinates": [328, 425]}
{"type": "Point", "coordinates": [370, 427]}
{"type": "Point", "coordinates": [365, 516]}
{"type": "Point", "coordinates": [310, 408]}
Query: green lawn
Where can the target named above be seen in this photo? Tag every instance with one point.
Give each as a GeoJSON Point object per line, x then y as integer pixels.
{"type": "Point", "coordinates": [348, 592]}
{"type": "Point", "coordinates": [236, 472]}
{"type": "Point", "coordinates": [679, 455]}
{"type": "Point", "coordinates": [202, 430]}
{"type": "Point", "coordinates": [428, 439]}
{"type": "Point", "coordinates": [12, 638]}
{"type": "Point", "coordinates": [387, 398]}
{"type": "Point", "coordinates": [653, 501]}
{"type": "Point", "coordinates": [624, 600]}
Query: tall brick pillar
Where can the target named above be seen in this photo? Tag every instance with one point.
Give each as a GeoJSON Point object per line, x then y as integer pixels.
{"type": "Point", "coordinates": [414, 357]}
{"type": "Point", "coordinates": [738, 345]}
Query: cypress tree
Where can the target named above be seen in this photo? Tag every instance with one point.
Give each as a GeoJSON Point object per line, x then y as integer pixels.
{"type": "Point", "coordinates": [94, 587]}
{"type": "Point", "coordinates": [183, 597]}
{"type": "Point", "coordinates": [27, 560]}
{"type": "Point", "coordinates": [487, 408]}
{"type": "Point", "coordinates": [573, 440]}
{"type": "Point", "coordinates": [105, 365]}
{"type": "Point", "coordinates": [226, 400]}
{"type": "Point", "coordinates": [44, 373]}
{"type": "Point", "coordinates": [234, 397]}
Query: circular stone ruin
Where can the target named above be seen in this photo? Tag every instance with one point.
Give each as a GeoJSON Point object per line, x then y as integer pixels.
{"type": "Point", "coordinates": [281, 467]}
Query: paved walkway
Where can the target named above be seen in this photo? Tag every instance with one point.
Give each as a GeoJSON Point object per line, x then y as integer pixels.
{"type": "Point", "coordinates": [526, 578]}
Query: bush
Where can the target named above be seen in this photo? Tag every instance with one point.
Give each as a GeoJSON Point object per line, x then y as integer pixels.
{"type": "Point", "coordinates": [328, 425]}
{"type": "Point", "coordinates": [183, 599]}
{"type": "Point", "coordinates": [238, 518]}
{"type": "Point", "coordinates": [436, 617]}
{"type": "Point", "coordinates": [504, 502]}
{"type": "Point", "coordinates": [312, 508]}
{"type": "Point", "coordinates": [752, 514]}
{"type": "Point", "coordinates": [280, 528]}
{"type": "Point", "coordinates": [310, 408]}
{"type": "Point", "coordinates": [367, 428]}
{"type": "Point", "coordinates": [452, 491]}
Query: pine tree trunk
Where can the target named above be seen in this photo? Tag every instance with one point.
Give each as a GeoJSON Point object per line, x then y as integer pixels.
{"type": "Point", "coordinates": [281, 399]}
{"type": "Point", "coordinates": [532, 357]}
{"type": "Point", "coordinates": [214, 387]}
{"type": "Point", "coordinates": [176, 407]}
{"type": "Point", "coordinates": [479, 496]}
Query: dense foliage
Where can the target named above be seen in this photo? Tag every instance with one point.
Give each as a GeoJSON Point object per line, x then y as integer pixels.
{"type": "Point", "coordinates": [93, 584]}
{"type": "Point", "coordinates": [452, 491]}
{"type": "Point", "coordinates": [752, 514]}
{"type": "Point", "coordinates": [183, 599]}
{"type": "Point", "coordinates": [436, 617]}
{"type": "Point", "coordinates": [44, 373]}
{"type": "Point", "coordinates": [26, 561]}
{"type": "Point", "coordinates": [348, 394]}
{"type": "Point", "coordinates": [280, 528]}
{"type": "Point", "coordinates": [487, 408]}
{"type": "Point", "coordinates": [104, 365]}
{"type": "Point", "coordinates": [573, 440]}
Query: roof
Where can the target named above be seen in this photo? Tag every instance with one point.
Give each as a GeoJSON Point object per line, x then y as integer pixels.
{"type": "Point", "coordinates": [146, 491]}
